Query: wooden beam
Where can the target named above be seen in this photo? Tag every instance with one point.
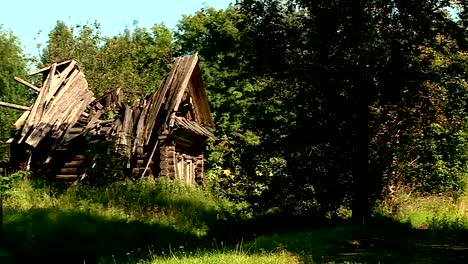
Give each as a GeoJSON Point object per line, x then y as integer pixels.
{"type": "Point", "coordinates": [20, 122]}
{"type": "Point", "coordinates": [15, 106]}
{"type": "Point", "coordinates": [150, 158]}
{"type": "Point", "coordinates": [69, 171]}
{"type": "Point", "coordinates": [66, 178]}
{"type": "Point", "coordinates": [36, 89]}
{"type": "Point", "coordinates": [73, 164]}
{"type": "Point", "coordinates": [174, 105]}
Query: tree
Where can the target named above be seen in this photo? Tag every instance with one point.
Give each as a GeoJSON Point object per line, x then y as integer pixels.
{"type": "Point", "coordinates": [359, 73]}
{"type": "Point", "coordinates": [12, 63]}
{"type": "Point", "coordinates": [135, 61]}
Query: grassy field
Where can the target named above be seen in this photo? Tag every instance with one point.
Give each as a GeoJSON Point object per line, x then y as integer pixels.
{"type": "Point", "coordinates": [165, 222]}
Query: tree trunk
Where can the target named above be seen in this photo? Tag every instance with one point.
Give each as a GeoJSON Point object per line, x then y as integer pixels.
{"type": "Point", "coordinates": [363, 186]}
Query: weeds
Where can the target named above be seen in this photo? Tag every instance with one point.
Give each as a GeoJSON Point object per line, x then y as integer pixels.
{"type": "Point", "coordinates": [87, 222]}
{"type": "Point", "coordinates": [152, 222]}
{"type": "Point", "coordinates": [427, 212]}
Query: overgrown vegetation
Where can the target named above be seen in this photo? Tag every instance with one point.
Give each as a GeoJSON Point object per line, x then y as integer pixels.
{"type": "Point", "coordinates": [12, 63]}
{"type": "Point", "coordinates": [123, 222]}
{"type": "Point", "coordinates": [385, 96]}
{"type": "Point", "coordinates": [167, 222]}
{"type": "Point", "coordinates": [325, 110]}
{"type": "Point", "coordinates": [89, 222]}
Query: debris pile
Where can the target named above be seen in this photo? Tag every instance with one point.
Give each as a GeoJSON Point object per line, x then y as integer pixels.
{"type": "Point", "coordinates": [52, 135]}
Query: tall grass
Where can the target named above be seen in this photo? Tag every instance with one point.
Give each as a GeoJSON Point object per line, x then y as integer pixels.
{"type": "Point", "coordinates": [86, 223]}
{"type": "Point", "coordinates": [126, 222]}
{"type": "Point", "coordinates": [228, 258]}
{"type": "Point", "coordinates": [428, 211]}
{"type": "Point", "coordinates": [152, 222]}
{"type": "Point", "coordinates": [185, 208]}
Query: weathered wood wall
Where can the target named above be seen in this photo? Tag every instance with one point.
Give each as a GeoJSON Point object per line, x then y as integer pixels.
{"type": "Point", "coordinates": [162, 134]}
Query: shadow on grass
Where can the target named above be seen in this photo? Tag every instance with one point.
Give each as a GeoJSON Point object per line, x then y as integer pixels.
{"type": "Point", "coordinates": [56, 236]}
{"type": "Point", "coordinates": [168, 217]}
{"type": "Point", "coordinates": [380, 240]}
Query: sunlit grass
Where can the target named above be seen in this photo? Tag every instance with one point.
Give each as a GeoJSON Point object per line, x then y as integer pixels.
{"type": "Point", "coordinates": [153, 222]}
{"type": "Point", "coordinates": [227, 258]}
{"type": "Point", "coordinates": [185, 208]}
{"type": "Point", "coordinates": [88, 223]}
{"type": "Point", "coordinates": [430, 211]}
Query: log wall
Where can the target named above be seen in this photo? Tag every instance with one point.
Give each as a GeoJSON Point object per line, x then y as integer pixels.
{"type": "Point", "coordinates": [176, 164]}
{"type": "Point", "coordinates": [166, 161]}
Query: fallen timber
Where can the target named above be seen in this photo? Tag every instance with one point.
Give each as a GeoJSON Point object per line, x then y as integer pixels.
{"type": "Point", "coordinates": [163, 134]}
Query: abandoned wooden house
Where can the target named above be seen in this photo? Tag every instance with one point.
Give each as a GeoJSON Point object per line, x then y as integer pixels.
{"type": "Point", "coordinates": [164, 134]}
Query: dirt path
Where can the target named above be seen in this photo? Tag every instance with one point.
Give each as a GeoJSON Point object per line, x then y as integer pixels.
{"type": "Point", "coordinates": [403, 250]}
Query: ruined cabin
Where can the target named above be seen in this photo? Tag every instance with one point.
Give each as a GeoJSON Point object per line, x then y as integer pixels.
{"type": "Point", "coordinates": [163, 135]}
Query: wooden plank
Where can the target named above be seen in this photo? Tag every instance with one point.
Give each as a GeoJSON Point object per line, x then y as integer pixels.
{"type": "Point", "coordinates": [193, 101]}
{"type": "Point", "coordinates": [151, 157]}
{"type": "Point", "coordinates": [151, 113]}
{"type": "Point", "coordinates": [139, 140]}
{"type": "Point", "coordinates": [172, 94]}
{"type": "Point", "coordinates": [157, 101]}
{"type": "Point", "coordinates": [58, 81]}
{"type": "Point", "coordinates": [57, 118]}
{"type": "Point", "coordinates": [29, 85]}
{"type": "Point", "coordinates": [201, 98]}
{"type": "Point", "coordinates": [70, 93]}
{"type": "Point", "coordinates": [15, 106]}
{"type": "Point", "coordinates": [128, 122]}
{"type": "Point", "coordinates": [54, 117]}
{"type": "Point", "coordinates": [65, 99]}
{"type": "Point", "coordinates": [73, 164]}
{"type": "Point", "coordinates": [75, 130]}
{"type": "Point", "coordinates": [94, 120]}
{"type": "Point", "coordinates": [67, 178]}
{"type": "Point", "coordinates": [179, 89]}
{"type": "Point", "coordinates": [183, 86]}
{"type": "Point", "coordinates": [73, 117]}
{"type": "Point", "coordinates": [125, 133]}
{"type": "Point", "coordinates": [142, 162]}
{"type": "Point", "coordinates": [119, 94]}
{"type": "Point", "coordinates": [39, 107]}
{"type": "Point", "coordinates": [99, 105]}
{"type": "Point", "coordinates": [74, 76]}
{"type": "Point", "coordinates": [68, 171]}
{"type": "Point", "coordinates": [20, 122]}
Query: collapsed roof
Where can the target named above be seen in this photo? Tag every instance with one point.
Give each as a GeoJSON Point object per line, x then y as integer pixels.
{"type": "Point", "coordinates": [65, 109]}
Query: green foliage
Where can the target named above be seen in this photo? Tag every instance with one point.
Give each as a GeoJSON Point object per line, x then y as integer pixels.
{"type": "Point", "coordinates": [12, 63]}
{"type": "Point", "coordinates": [319, 105]}
{"type": "Point", "coordinates": [88, 223]}
{"type": "Point", "coordinates": [241, 164]}
{"type": "Point", "coordinates": [437, 212]}
{"type": "Point", "coordinates": [135, 60]}
{"type": "Point", "coordinates": [168, 222]}
{"type": "Point", "coordinates": [104, 163]}
{"type": "Point", "coordinates": [8, 181]}
{"type": "Point", "coordinates": [322, 104]}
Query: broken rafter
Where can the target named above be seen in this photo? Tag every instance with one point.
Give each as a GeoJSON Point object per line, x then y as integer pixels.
{"type": "Point", "coordinates": [29, 85]}
{"type": "Point", "coordinates": [20, 122]}
{"type": "Point", "coordinates": [15, 106]}
{"type": "Point", "coordinates": [66, 109]}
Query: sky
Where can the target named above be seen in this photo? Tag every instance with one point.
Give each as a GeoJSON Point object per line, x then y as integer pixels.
{"type": "Point", "coordinates": [32, 20]}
